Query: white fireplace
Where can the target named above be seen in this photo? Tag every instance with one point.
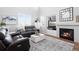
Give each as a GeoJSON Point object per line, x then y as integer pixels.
{"type": "Point", "coordinates": [67, 24]}
{"type": "Point", "coordinates": [74, 27]}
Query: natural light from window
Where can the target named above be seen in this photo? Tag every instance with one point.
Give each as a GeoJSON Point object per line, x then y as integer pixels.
{"type": "Point", "coordinates": [24, 20]}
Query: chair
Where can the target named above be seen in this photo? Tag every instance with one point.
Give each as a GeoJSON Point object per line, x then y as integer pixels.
{"type": "Point", "coordinates": [19, 45]}
{"type": "Point", "coordinates": [2, 37]}
{"type": "Point", "coordinates": [2, 46]}
{"type": "Point", "coordinates": [29, 30]}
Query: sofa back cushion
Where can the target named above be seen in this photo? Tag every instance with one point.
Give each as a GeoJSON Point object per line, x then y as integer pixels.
{"type": "Point", "coordinates": [2, 36]}
{"type": "Point", "coordinates": [2, 46]}
{"type": "Point", "coordinates": [29, 28]}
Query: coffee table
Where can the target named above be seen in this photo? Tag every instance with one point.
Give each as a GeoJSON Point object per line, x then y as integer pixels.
{"type": "Point", "coordinates": [36, 38]}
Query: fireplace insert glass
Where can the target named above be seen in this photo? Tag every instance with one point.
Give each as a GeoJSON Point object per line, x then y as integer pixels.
{"type": "Point", "coordinates": [66, 33]}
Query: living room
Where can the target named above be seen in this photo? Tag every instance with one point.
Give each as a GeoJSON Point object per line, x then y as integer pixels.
{"type": "Point", "coordinates": [58, 27]}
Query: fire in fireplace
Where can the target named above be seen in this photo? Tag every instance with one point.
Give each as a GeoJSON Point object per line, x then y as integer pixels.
{"type": "Point", "coordinates": [66, 34]}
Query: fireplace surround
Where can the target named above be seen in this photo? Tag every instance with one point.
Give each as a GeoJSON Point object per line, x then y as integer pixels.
{"type": "Point", "coordinates": [66, 34]}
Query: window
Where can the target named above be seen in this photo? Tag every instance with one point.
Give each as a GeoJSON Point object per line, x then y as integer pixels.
{"type": "Point", "coordinates": [24, 20]}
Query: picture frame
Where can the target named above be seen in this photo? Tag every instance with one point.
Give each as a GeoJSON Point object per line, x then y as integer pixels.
{"type": "Point", "coordinates": [9, 19]}
{"type": "Point", "coordinates": [66, 14]}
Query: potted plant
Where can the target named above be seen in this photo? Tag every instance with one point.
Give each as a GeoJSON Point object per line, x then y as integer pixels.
{"type": "Point", "coordinates": [2, 24]}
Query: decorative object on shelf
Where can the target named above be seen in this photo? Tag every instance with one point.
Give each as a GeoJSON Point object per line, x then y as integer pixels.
{"type": "Point", "coordinates": [77, 18]}
{"type": "Point", "coordinates": [9, 19]}
{"type": "Point", "coordinates": [37, 19]}
{"type": "Point", "coordinates": [66, 14]}
{"type": "Point", "coordinates": [52, 22]}
{"type": "Point", "coordinates": [37, 23]}
{"type": "Point", "coordinates": [2, 24]}
{"type": "Point", "coordinates": [36, 32]}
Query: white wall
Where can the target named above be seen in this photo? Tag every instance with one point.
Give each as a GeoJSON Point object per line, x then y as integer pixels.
{"type": "Point", "coordinates": [14, 11]}
{"type": "Point", "coordinates": [49, 11]}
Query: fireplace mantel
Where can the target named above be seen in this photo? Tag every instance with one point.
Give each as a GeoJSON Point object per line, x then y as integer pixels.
{"type": "Point", "coordinates": [67, 24]}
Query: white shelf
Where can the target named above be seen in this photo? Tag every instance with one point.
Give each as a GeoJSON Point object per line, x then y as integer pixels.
{"type": "Point", "coordinates": [52, 23]}
{"type": "Point", "coordinates": [68, 24]}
